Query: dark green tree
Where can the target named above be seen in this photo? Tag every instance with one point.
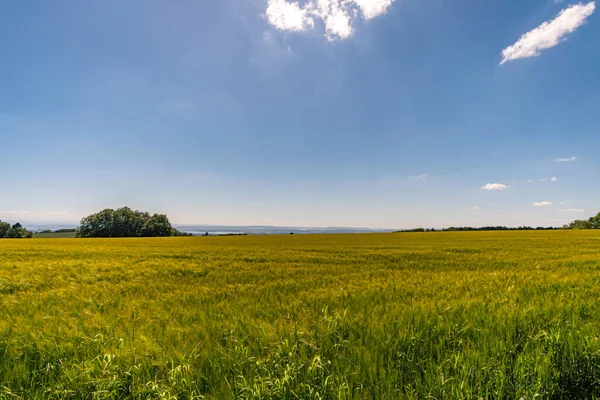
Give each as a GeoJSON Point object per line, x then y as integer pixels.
{"type": "Point", "coordinates": [594, 222]}
{"type": "Point", "coordinates": [157, 225]}
{"type": "Point", "coordinates": [4, 227]}
{"type": "Point", "coordinates": [17, 231]}
{"type": "Point", "coordinates": [124, 222]}
{"type": "Point", "coordinates": [579, 224]}
{"type": "Point", "coordinates": [591, 223]}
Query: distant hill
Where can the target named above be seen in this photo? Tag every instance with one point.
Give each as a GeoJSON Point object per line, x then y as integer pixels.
{"type": "Point", "coordinates": [269, 230]}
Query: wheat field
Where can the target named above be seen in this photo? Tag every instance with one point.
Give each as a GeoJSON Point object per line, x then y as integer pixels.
{"type": "Point", "coordinates": [472, 315]}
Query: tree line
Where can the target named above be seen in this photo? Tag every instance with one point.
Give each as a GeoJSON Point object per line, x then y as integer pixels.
{"type": "Point", "coordinates": [125, 222]}
{"type": "Point", "coordinates": [16, 231]}
{"type": "Point", "coordinates": [591, 223]}
{"type": "Point", "coordinates": [483, 228]}
{"type": "Point", "coordinates": [63, 230]}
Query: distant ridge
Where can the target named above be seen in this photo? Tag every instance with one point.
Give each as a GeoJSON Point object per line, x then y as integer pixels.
{"type": "Point", "coordinates": [225, 229]}
{"type": "Point", "coordinates": [270, 230]}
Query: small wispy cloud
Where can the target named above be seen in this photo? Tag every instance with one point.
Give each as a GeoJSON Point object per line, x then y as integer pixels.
{"type": "Point", "coordinates": [494, 186]}
{"type": "Point", "coordinates": [474, 208]}
{"type": "Point", "coordinates": [20, 213]}
{"type": "Point", "coordinates": [542, 204]}
{"type": "Point", "coordinates": [337, 15]}
{"type": "Point", "coordinates": [549, 33]}
{"type": "Point", "coordinates": [573, 210]}
{"type": "Point", "coordinates": [568, 159]}
{"type": "Point", "coordinates": [38, 216]}
{"type": "Point", "coordinates": [271, 55]}
{"type": "Point", "coordinates": [543, 180]}
{"type": "Point", "coordinates": [421, 176]}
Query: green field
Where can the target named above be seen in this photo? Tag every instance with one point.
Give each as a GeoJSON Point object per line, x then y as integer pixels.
{"type": "Point", "coordinates": [55, 235]}
{"type": "Point", "coordinates": [377, 316]}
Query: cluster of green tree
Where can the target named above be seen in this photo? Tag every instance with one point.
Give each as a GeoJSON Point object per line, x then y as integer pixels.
{"type": "Point", "coordinates": [591, 223]}
{"type": "Point", "coordinates": [125, 222]}
{"type": "Point", "coordinates": [15, 231]}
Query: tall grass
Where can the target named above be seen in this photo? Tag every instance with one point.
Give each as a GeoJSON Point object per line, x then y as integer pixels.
{"type": "Point", "coordinates": [504, 315]}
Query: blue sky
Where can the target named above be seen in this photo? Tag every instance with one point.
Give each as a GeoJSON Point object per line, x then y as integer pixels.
{"type": "Point", "coordinates": [370, 113]}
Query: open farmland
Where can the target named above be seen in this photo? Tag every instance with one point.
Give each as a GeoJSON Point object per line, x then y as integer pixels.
{"type": "Point", "coordinates": [54, 235]}
{"type": "Point", "coordinates": [445, 315]}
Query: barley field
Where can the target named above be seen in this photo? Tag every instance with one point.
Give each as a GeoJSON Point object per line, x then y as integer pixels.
{"type": "Point", "coordinates": [473, 315]}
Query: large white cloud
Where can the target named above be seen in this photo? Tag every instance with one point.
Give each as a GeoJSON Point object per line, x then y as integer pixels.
{"type": "Point", "coordinates": [337, 15]}
{"type": "Point", "coordinates": [288, 16]}
{"type": "Point", "coordinates": [549, 33]}
{"type": "Point", "coordinates": [337, 22]}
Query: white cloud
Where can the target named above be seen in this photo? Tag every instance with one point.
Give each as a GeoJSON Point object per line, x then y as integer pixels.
{"type": "Point", "coordinates": [337, 15]}
{"type": "Point", "coordinates": [553, 179]}
{"type": "Point", "coordinates": [542, 204]}
{"type": "Point", "coordinates": [373, 8]}
{"type": "Point", "coordinates": [549, 33]}
{"type": "Point", "coordinates": [574, 210]}
{"type": "Point", "coordinates": [288, 16]}
{"type": "Point", "coordinates": [474, 208]}
{"type": "Point", "coordinates": [422, 176]}
{"type": "Point", "coordinates": [569, 159]}
{"type": "Point", "coordinates": [337, 23]}
{"type": "Point", "coordinates": [494, 186]}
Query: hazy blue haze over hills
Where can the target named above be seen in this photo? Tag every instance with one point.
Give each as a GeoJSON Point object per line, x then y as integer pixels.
{"type": "Point", "coordinates": [263, 230]}
{"type": "Point", "coordinates": [229, 229]}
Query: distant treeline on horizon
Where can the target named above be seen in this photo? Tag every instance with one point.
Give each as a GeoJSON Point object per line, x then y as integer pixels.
{"type": "Point", "coordinates": [125, 222]}
{"type": "Point", "coordinates": [63, 230]}
{"type": "Point", "coordinates": [483, 228]}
